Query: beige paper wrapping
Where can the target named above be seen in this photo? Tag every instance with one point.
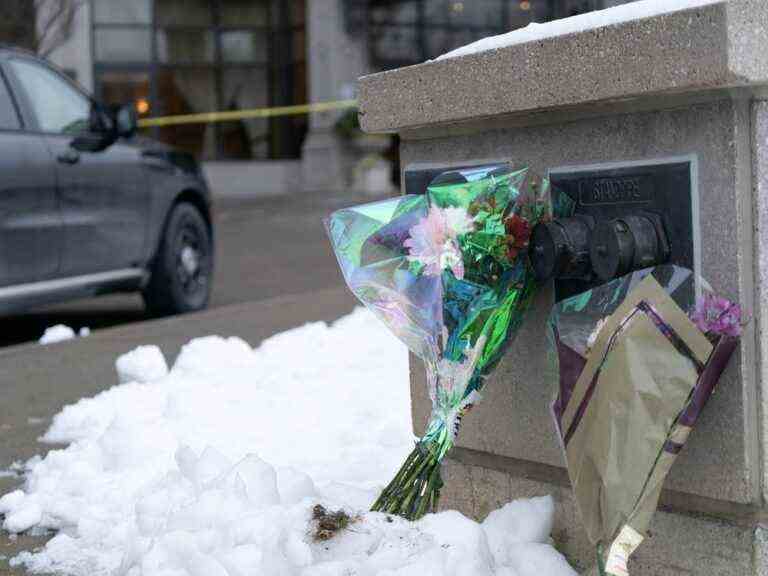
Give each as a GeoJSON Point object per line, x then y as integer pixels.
{"type": "Point", "coordinates": [615, 454]}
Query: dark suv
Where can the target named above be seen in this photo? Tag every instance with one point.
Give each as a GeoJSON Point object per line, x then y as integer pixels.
{"type": "Point", "coordinates": [88, 207]}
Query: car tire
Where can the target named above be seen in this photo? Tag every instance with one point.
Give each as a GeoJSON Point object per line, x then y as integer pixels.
{"type": "Point", "coordinates": [181, 273]}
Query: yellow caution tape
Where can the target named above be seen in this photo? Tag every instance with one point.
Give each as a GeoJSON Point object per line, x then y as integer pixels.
{"type": "Point", "coordinates": [207, 117]}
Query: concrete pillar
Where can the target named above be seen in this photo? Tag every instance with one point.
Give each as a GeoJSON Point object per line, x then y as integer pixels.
{"type": "Point", "coordinates": [74, 54]}
{"type": "Point", "coordinates": [335, 61]}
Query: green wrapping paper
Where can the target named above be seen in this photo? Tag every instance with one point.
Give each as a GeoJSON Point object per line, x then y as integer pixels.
{"type": "Point", "coordinates": [448, 273]}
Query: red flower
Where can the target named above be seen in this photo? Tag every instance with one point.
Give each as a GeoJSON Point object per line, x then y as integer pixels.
{"type": "Point", "coordinates": [518, 234]}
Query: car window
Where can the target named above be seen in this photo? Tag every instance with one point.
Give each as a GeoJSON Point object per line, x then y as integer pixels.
{"type": "Point", "coordinates": [57, 105]}
{"type": "Point", "coordinates": [9, 120]}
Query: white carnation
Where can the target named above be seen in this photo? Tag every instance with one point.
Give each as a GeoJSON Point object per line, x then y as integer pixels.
{"type": "Point", "coordinates": [458, 221]}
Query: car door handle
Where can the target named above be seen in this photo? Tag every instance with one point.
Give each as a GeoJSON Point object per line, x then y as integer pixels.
{"type": "Point", "coordinates": [69, 156]}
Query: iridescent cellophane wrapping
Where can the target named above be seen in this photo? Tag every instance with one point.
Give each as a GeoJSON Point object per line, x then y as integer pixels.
{"type": "Point", "coordinates": [637, 359]}
{"type": "Point", "coordinates": [447, 272]}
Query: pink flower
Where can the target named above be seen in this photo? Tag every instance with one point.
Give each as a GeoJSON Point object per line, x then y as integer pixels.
{"type": "Point", "coordinates": [717, 316]}
{"type": "Point", "coordinates": [433, 241]}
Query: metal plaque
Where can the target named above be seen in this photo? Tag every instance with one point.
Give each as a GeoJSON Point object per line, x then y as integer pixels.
{"type": "Point", "coordinates": [665, 188]}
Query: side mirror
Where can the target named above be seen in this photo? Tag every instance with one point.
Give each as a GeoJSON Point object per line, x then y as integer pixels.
{"type": "Point", "coordinates": [99, 133]}
{"type": "Point", "coordinates": [107, 124]}
{"type": "Point", "coordinates": [126, 121]}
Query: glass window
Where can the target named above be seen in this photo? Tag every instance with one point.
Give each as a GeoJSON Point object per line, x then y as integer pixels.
{"type": "Point", "coordinates": [574, 7]}
{"type": "Point", "coordinates": [474, 13]}
{"type": "Point", "coordinates": [407, 32]}
{"type": "Point", "coordinates": [244, 46]}
{"type": "Point", "coordinates": [122, 11]}
{"type": "Point", "coordinates": [242, 89]}
{"type": "Point", "coordinates": [188, 91]}
{"type": "Point", "coordinates": [123, 44]}
{"type": "Point", "coordinates": [395, 45]}
{"type": "Point", "coordinates": [239, 13]}
{"type": "Point", "coordinates": [404, 13]}
{"type": "Point", "coordinates": [206, 55]}
{"type": "Point", "coordinates": [440, 41]}
{"type": "Point", "coordinates": [124, 87]}
{"type": "Point", "coordinates": [185, 46]}
{"type": "Point", "coordinates": [68, 112]}
{"type": "Point", "coordinates": [9, 120]}
{"type": "Point", "coordinates": [183, 12]}
{"type": "Point", "coordinates": [526, 12]}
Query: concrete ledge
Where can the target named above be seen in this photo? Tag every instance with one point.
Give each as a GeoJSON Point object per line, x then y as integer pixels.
{"type": "Point", "coordinates": [674, 501]}
{"type": "Point", "coordinates": [717, 46]}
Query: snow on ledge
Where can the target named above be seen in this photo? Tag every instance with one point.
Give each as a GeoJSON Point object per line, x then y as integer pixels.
{"type": "Point", "coordinates": [580, 23]}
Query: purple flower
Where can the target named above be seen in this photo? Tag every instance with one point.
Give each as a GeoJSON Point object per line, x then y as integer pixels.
{"type": "Point", "coordinates": [717, 316]}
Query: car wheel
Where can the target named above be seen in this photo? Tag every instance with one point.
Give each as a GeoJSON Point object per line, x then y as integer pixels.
{"type": "Point", "coordinates": [181, 274]}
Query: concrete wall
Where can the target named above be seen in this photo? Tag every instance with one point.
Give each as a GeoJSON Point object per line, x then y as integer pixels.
{"type": "Point", "coordinates": [760, 207]}
{"type": "Point", "coordinates": [721, 460]}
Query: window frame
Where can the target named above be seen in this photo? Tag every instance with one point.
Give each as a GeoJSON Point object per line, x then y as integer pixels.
{"type": "Point", "coordinates": [121, 27]}
{"type": "Point", "coordinates": [155, 32]}
{"type": "Point", "coordinates": [4, 82]}
{"type": "Point", "coordinates": [97, 22]}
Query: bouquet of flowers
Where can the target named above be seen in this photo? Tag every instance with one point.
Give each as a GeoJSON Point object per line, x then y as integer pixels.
{"type": "Point", "coordinates": [448, 273]}
{"type": "Point", "coordinates": [637, 360]}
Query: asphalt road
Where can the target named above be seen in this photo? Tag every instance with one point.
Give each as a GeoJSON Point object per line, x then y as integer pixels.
{"type": "Point", "coordinates": [264, 248]}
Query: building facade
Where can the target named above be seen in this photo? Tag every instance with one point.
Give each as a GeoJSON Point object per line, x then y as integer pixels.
{"type": "Point", "coordinates": [173, 57]}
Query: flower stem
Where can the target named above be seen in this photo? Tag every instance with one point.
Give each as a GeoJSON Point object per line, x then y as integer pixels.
{"type": "Point", "coordinates": [415, 489]}
{"type": "Point", "coordinates": [600, 559]}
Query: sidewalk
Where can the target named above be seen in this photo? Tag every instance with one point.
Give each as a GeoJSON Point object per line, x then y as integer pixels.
{"type": "Point", "coordinates": [36, 382]}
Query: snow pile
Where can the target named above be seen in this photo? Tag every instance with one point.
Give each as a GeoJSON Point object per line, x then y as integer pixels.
{"type": "Point", "coordinates": [60, 333]}
{"type": "Point", "coordinates": [144, 364]}
{"type": "Point", "coordinates": [214, 467]}
{"type": "Point", "coordinates": [580, 23]}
